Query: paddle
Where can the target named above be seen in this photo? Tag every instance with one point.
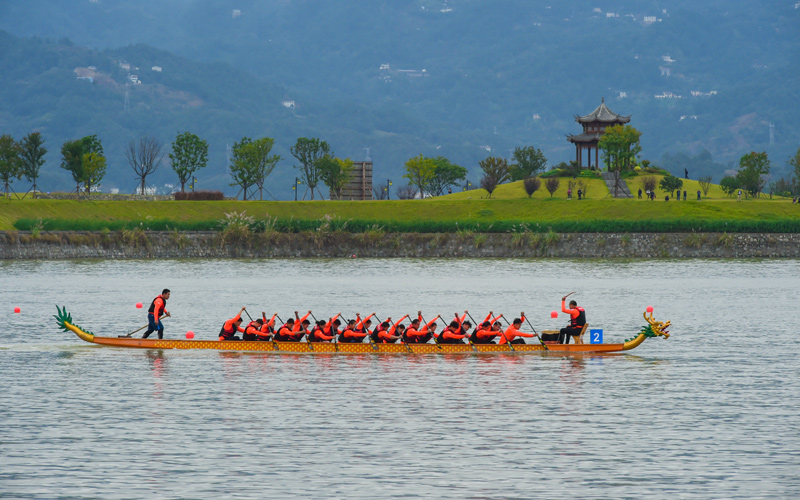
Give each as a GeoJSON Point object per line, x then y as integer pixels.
{"type": "Point", "coordinates": [537, 333]}
{"type": "Point", "coordinates": [475, 324]}
{"type": "Point", "coordinates": [369, 335]}
{"type": "Point", "coordinates": [403, 336]}
{"type": "Point", "coordinates": [432, 336]}
{"type": "Point", "coordinates": [308, 337]}
{"type": "Point", "coordinates": [162, 318]}
{"type": "Point", "coordinates": [504, 334]}
{"type": "Point", "coordinates": [131, 333]}
{"type": "Point", "coordinates": [335, 337]}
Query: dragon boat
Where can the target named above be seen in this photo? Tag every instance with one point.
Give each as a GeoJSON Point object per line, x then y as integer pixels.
{"type": "Point", "coordinates": [652, 329]}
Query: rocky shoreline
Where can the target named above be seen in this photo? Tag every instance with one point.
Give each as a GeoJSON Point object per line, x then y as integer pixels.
{"type": "Point", "coordinates": [61, 245]}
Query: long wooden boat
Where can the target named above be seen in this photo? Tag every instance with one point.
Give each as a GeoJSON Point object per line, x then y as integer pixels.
{"type": "Point", "coordinates": [652, 329]}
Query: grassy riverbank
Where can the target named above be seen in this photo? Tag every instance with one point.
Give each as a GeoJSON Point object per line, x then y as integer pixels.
{"type": "Point", "coordinates": [461, 211]}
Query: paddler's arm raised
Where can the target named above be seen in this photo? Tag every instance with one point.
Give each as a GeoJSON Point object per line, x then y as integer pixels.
{"type": "Point", "coordinates": [299, 321]}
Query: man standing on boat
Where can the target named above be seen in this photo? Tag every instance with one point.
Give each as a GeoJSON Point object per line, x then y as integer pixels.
{"type": "Point", "coordinates": [158, 308]}
{"type": "Point", "coordinates": [577, 320]}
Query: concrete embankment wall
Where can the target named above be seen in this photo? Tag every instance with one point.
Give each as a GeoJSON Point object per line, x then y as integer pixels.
{"type": "Point", "coordinates": [126, 245]}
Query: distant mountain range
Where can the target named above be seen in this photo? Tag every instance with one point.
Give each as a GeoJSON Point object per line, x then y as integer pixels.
{"type": "Point", "coordinates": [463, 79]}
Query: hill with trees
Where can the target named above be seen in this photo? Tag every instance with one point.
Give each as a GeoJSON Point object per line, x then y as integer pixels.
{"type": "Point", "coordinates": [462, 79]}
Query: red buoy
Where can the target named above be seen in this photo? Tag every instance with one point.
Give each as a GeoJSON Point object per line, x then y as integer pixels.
{"type": "Point", "coordinates": [649, 309]}
{"type": "Point", "coordinates": [139, 305]}
{"type": "Point", "coordinates": [554, 314]}
{"type": "Point", "coordinates": [17, 310]}
{"type": "Point", "coordinates": [190, 334]}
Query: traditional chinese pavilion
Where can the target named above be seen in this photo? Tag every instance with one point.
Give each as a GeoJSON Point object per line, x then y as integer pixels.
{"type": "Point", "coordinates": [594, 126]}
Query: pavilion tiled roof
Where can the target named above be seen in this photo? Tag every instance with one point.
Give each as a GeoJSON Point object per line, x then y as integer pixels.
{"type": "Point", "coordinates": [584, 137]}
{"type": "Point", "coordinates": [603, 115]}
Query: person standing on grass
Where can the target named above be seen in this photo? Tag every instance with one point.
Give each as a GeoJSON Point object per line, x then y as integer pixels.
{"type": "Point", "coordinates": [698, 195]}
{"type": "Point", "coordinates": [684, 195]}
{"type": "Point", "coordinates": [158, 308]}
{"type": "Point", "coordinates": [640, 193]}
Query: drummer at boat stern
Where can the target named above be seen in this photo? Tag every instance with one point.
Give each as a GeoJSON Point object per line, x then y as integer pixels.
{"type": "Point", "coordinates": [158, 308]}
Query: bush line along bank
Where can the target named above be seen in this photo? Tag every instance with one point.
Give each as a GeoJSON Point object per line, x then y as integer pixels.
{"type": "Point", "coordinates": [363, 226]}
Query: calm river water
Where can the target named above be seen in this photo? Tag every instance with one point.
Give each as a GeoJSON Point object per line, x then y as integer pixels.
{"type": "Point", "coordinates": [710, 412]}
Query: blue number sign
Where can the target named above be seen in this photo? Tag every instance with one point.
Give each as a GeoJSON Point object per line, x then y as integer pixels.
{"type": "Point", "coordinates": [596, 336]}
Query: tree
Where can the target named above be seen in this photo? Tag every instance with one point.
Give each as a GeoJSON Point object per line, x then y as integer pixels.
{"type": "Point", "coordinates": [753, 168]}
{"type": "Point", "coordinates": [94, 169]}
{"type": "Point", "coordinates": [144, 156]}
{"type": "Point", "coordinates": [528, 162]}
{"type": "Point", "coordinates": [242, 166]}
{"type": "Point", "coordinates": [531, 185]}
{"type": "Point", "coordinates": [729, 184]}
{"type": "Point", "coordinates": [495, 171]}
{"type": "Point", "coordinates": [649, 183]}
{"type": "Point", "coordinates": [189, 154]}
{"type": "Point", "coordinates": [10, 162]}
{"type": "Point", "coordinates": [445, 174]}
{"type": "Point", "coordinates": [335, 173]}
{"type": "Point", "coordinates": [620, 146]}
{"type": "Point", "coordinates": [406, 192]}
{"type": "Point", "coordinates": [794, 162]}
{"type": "Point", "coordinates": [265, 163]}
{"type": "Point", "coordinates": [552, 184]}
{"type": "Point", "coordinates": [705, 184]}
{"type": "Point", "coordinates": [420, 171]}
{"type": "Point", "coordinates": [32, 154]}
{"type": "Point", "coordinates": [670, 183]}
{"type": "Point", "coordinates": [307, 152]}
{"type": "Point", "coordinates": [72, 161]}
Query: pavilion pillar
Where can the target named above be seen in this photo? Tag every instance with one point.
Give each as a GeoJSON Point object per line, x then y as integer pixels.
{"type": "Point", "coordinates": [597, 158]}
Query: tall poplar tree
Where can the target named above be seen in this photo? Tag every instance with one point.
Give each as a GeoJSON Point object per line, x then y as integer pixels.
{"type": "Point", "coordinates": [189, 154]}
{"type": "Point", "coordinates": [32, 154]}
{"type": "Point", "coordinates": [308, 151]}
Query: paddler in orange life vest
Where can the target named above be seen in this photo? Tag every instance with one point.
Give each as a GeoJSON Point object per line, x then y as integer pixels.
{"type": "Point", "coordinates": [230, 327]}
{"type": "Point", "coordinates": [577, 318]}
{"type": "Point", "coordinates": [324, 331]}
{"type": "Point", "coordinates": [388, 333]}
{"type": "Point", "coordinates": [155, 312]}
{"type": "Point", "coordinates": [512, 332]}
{"type": "Point", "coordinates": [452, 334]}
{"type": "Point", "coordinates": [351, 333]}
{"type": "Point", "coordinates": [416, 335]}
{"type": "Point", "coordinates": [294, 329]}
{"type": "Point", "coordinates": [484, 334]}
{"type": "Point", "coordinates": [259, 329]}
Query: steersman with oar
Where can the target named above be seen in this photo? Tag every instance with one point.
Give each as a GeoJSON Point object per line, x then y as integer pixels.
{"type": "Point", "coordinates": [577, 320]}
{"type": "Point", "coordinates": [158, 308]}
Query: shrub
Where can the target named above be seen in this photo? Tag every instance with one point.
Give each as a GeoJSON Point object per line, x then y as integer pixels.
{"type": "Point", "coordinates": [552, 185]}
{"type": "Point", "coordinates": [531, 185]}
{"type": "Point", "coordinates": [199, 196]}
{"type": "Point", "coordinates": [729, 184]}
